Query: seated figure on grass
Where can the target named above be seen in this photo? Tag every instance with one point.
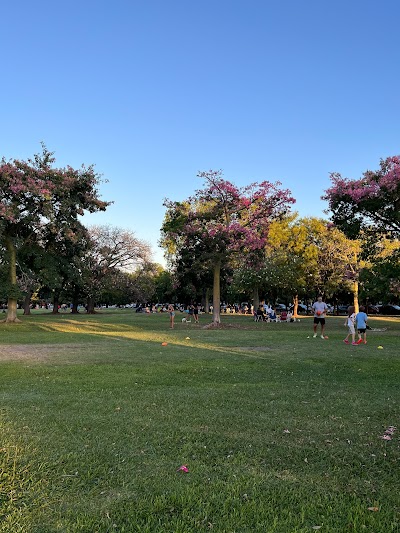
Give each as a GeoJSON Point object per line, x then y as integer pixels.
{"type": "Point", "coordinates": [260, 315]}
{"type": "Point", "coordinates": [272, 316]}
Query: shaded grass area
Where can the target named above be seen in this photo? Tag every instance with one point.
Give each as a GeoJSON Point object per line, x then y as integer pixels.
{"type": "Point", "coordinates": [279, 432]}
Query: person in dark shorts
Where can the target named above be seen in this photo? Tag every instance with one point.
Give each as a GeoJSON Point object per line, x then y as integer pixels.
{"type": "Point", "coordinates": [361, 322]}
{"type": "Point", "coordinates": [320, 308]}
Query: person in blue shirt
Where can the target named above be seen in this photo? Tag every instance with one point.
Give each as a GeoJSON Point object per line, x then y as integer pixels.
{"type": "Point", "coordinates": [361, 322]}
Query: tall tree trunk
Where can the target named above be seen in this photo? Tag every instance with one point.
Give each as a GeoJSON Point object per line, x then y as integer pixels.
{"type": "Point", "coordinates": [256, 299]}
{"type": "Point", "coordinates": [27, 302]}
{"type": "Point", "coordinates": [74, 308]}
{"type": "Point", "coordinates": [56, 303]}
{"type": "Point", "coordinates": [217, 292]}
{"type": "Point", "coordinates": [12, 301]}
{"type": "Point", "coordinates": [207, 301]}
{"type": "Point", "coordinates": [90, 306]}
{"type": "Point", "coordinates": [75, 302]}
{"type": "Point", "coordinates": [295, 305]}
{"type": "Point", "coordinates": [355, 296]}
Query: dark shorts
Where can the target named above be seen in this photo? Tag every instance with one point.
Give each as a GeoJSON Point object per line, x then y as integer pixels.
{"type": "Point", "coordinates": [363, 330]}
{"type": "Point", "coordinates": [318, 320]}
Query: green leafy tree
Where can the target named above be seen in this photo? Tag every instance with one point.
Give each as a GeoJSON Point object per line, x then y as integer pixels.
{"type": "Point", "coordinates": [369, 209]}
{"type": "Point", "coordinates": [380, 282]}
{"type": "Point", "coordinates": [163, 287]}
{"type": "Point", "coordinates": [144, 283]}
{"type": "Point", "coordinates": [305, 256]}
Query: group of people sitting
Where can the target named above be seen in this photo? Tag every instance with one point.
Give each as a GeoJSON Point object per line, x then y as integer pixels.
{"type": "Point", "coordinates": [267, 314]}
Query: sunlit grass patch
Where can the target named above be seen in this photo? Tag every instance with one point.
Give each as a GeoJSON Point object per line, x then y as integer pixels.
{"type": "Point", "coordinates": [279, 432]}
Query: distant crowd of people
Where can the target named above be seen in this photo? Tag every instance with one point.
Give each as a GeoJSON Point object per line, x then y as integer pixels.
{"type": "Point", "coordinates": [268, 314]}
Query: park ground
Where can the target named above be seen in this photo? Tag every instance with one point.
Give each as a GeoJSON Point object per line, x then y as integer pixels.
{"type": "Point", "coordinates": [115, 423]}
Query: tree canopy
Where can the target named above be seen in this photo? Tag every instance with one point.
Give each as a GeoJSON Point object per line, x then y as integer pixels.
{"type": "Point", "coordinates": [373, 200]}
{"type": "Point", "coordinates": [222, 219]}
{"type": "Point", "coordinates": [35, 198]}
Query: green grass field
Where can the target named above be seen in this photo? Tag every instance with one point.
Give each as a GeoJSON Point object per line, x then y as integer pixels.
{"type": "Point", "coordinates": [279, 432]}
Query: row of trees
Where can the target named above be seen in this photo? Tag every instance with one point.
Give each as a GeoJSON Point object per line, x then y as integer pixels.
{"type": "Point", "coordinates": [249, 239]}
{"type": "Point", "coordinates": [44, 244]}
{"type": "Point", "coordinates": [238, 243]}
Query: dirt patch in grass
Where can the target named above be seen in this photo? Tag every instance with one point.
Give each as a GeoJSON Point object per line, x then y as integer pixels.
{"type": "Point", "coordinates": [41, 352]}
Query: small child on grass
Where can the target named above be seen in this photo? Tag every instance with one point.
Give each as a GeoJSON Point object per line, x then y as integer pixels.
{"type": "Point", "coordinates": [361, 322]}
{"type": "Point", "coordinates": [349, 322]}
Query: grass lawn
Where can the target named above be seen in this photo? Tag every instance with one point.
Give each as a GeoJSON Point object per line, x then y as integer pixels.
{"type": "Point", "coordinates": [280, 432]}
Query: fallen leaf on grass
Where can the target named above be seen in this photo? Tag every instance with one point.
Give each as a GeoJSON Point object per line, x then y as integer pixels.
{"type": "Point", "coordinates": [390, 430]}
{"type": "Point", "coordinates": [316, 527]}
{"type": "Point", "coordinates": [373, 509]}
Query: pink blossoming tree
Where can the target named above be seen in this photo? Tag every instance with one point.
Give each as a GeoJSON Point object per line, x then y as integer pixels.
{"type": "Point", "coordinates": [221, 220]}
{"type": "Point", "coordinates": [35, 198]}
{"type": "Point", "coordinates": [373, 200]}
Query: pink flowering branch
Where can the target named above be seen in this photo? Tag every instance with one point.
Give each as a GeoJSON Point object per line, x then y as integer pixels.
{"type": "Point", "coordinates": [372, 199]}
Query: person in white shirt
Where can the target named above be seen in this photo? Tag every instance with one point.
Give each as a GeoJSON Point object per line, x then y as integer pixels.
{"type": "Point", "coordinates": [349, 322]}
{"type": "Point", "coordinates": [320, 309]}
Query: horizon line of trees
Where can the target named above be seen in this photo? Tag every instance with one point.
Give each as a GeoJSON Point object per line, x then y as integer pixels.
{"type": "Point", "coordinates": [224, 243]}
{"type": "Point", "coordinates": [248, 240]}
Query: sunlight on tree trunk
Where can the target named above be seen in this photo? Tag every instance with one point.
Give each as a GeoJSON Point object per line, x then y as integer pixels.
{"type": "Point", "coordinates": [217, 292]}
{"type": "Point", "coordinates": [295, 305]}
{"type": "Point", "coordinates": [355, 296]}
{"type": "Point", "coordinates": [12, 311]}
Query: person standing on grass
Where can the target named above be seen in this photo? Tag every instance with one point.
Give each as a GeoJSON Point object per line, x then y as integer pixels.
{"type": "Point", "coordinates": [320, 308]}
{"type": "Point", "coordinates": [350, 323]}
{"type": "Point", "coordinates": [171, 312]}
{"type": "Point", "coordinates": [361, 323]}
{"type": "Point", "coordinates": [196, 313]}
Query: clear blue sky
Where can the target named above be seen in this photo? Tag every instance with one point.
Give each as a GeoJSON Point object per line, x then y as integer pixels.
{"type": "Point", "coordinates": [153, 91]}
